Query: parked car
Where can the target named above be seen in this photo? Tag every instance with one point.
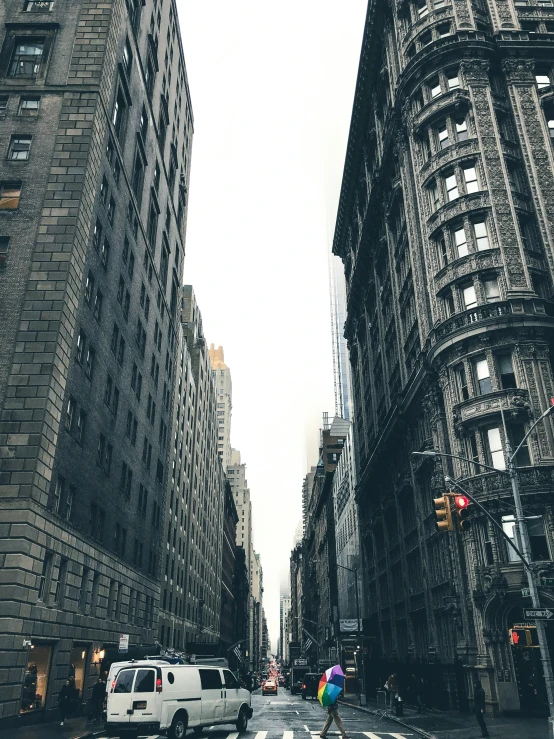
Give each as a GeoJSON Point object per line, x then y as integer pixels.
{"type": "Point", "coordinates": [152, 696]}
{"type": "Point", "coordinates": [269, 687]}
{"type": "Point", "coordinates": [310, 685]}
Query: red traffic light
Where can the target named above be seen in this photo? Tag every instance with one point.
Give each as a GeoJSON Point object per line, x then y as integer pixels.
{"type": "Point", "coordinates": [461, 502]}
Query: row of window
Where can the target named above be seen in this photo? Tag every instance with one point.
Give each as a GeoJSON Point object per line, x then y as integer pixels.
{"type": "Point", "coordinates": [464, 296]}
{"type": "Point", "coordinates": [480, 378]}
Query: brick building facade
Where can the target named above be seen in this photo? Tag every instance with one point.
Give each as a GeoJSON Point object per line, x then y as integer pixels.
{"type": "Point", "coordinates": [445, 231]}
{"type": "Point", "coordinates": [97, 131]}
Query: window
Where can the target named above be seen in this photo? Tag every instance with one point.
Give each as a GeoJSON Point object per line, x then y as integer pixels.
{"type": "Point", "coordinates": [481, 235]}
{"type": "Point", "coordinates": [516, 433]}
{"type": "Point", "coordinates": [152, 226]}
{"type": "Point", "coordinates": [506, 371]}
{"type": "Point", "coordinates": [89, 288]}
{"type": "Point", "coordinates": [89, 363]}
{"type": "Point", "coordinates": [442, 134]}
{"type": "Point", "coordinates": [444, 30]}
{"type": "Point", "coordinates": [137, 180]}
{"type": "Point", "coordinates": [97, 309]}
{"type": "Point", "coordinates": [435, 87]}
{"type": "Point", "coordinates": [495, 449]}
{"type": "Point", "coordinates": [470, 178]}
{"type": "Point", "coordinates": [451, 187]}
{"type": "Point", "coordinates": [143, 124]}
{"type": "Point", "coordinates": [127, 57]}
{"type": "Point", "coordinates": [81, 341]}
{"type": "Point", "coordinates": [4, 105]}
{"type": "Point", "coordinates": [537, 537]}
{"type": "Point", "coordinates": [70, 413]}
{"type": "Point", "coordinates": [461, 242]}
{"type": "Point", "coordinates": [10, 192]}
{"type": "Point", "coordinates": [453, 80]}
{"type": "Point", "coordinates": [472, 451]}
{"type": "Point", "coordinates": [442, 253]}
{"type": "Point", "coordinates": [44, 582]}
{"type": "Point", "coordinates": [111, 211]}
{"type": "Point", "coordinates": [124, 682]}
{"type": "Point", "coordinates": [483, 376]}
{"type": "Point", "coordinates": [144, 682]}
{"type": "Point", "coordinates": [461, 130]}
{"type": "Point", "coordinates": [210, 679]}
{"type": "Point", "coordinates": [20, 147]}
{"type": "Point", "coordinates": [81, 423]}
{"type": "Point", "coordinates": [542, 79]}
{"type": "Point", "coordinates": [27, 57]}
{"type": "Point", "coordinates": [462, 382]}
{"type": "Point", "coordinates": [97, 235]}
{"type": "Point", "coordinates": [108, 390]}
{"type": "Point", "coordinates": [119, 114]}
{"type": "Point", "coordinates": [121, 351]}
{"type": "Point", "coordinates": [434, 196]}
{"type": "Point", "coordinates": [492, 293]}
{"type": "Point", "coordinates": [105, 254]}
{"type": "Point", "coordinates": [4, 244]}
{"type": "Point", "coordinates": [510, 529]}
{"type": "Point", "coordinates": [38, 6]}
{"type": "Point", "coordinates": [115, 338]}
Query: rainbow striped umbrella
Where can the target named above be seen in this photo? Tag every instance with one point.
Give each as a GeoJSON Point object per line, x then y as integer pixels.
{"type": "Point", "coordinates": [330, 685]}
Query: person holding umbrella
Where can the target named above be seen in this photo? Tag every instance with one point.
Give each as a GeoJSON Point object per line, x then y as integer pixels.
{"type": "Point", "coordinates": [330, 687]}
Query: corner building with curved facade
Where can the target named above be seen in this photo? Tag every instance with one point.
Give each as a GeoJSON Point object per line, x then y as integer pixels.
{"type": "Point", "coordinates": [445, 228]}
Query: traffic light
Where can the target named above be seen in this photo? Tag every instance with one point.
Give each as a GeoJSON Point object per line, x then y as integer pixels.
{"type": "Point", "coordinates": [443, 514]}
{"type": "Point", "coordinates": [462, 503]}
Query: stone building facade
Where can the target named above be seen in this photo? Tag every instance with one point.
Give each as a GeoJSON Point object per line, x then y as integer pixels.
{"type": "Point", "coordinates": [445, 230]}
{"type": "Point", "coordinates": [97, 128]}
{"type": "Point", "coordinates": [228, 620]}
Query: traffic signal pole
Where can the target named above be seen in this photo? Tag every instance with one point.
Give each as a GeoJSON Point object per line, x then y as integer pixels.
{"type": "Point", "coordinates": [525, 555]}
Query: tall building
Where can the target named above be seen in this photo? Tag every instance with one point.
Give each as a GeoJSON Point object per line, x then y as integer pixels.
{"type": "Point", "coordinates": [97, 125]}
{"type": "Point", "coordinates": [229, 604]}
{"type": "Point", "coordinates": [341, 365]}
{"type": "Point", "coordinates": [224, 388]}
{"type": "Point", "coordinates": [284, 610]}
{"type": "Point", "coordinates": [444, 230]}
{"type": "Point", "coordinates": [236, 474]}
{"type": "Point", "coordinates": [205, 505]}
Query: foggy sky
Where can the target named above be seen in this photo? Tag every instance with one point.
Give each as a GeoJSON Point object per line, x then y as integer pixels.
{"type": "Point", "coordinates": [272, 86]}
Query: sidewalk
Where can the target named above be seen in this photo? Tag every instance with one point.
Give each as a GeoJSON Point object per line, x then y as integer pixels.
{"type": "Point", "coordinates": [454, 725]}
{"type": "Point", "coordinates": [74, 728]}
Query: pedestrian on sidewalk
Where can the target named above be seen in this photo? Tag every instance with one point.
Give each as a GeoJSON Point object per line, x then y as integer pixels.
{"type": "Point", "coordinates": [479, 706]}
{"type": "Point", "coordinates": [333, 715]}
{"type": "Point", "coordinates": [98, 696]}
{"type": "Point", "coordinates": [392, 686]}
{"type": "Point", "coordinates": [64, 700]}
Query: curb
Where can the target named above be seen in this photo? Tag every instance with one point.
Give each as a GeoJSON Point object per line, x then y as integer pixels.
{"type": "Point", "coordinates": [419, 731]}
{"type": "Point", "coordinates": [89, 734]}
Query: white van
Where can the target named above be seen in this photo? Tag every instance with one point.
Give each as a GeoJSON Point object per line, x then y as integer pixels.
{"type": "Point", "coordinates": [149, 696]}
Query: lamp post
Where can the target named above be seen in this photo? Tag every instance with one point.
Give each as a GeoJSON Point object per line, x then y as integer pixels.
{"type": "Point", "coordinates": [525, 555]}
{"type": "Point", "coordinates": [361, 682]}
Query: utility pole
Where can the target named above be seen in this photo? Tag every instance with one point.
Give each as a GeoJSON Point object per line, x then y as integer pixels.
{"type": "Point", "coordinates": [526, 554]}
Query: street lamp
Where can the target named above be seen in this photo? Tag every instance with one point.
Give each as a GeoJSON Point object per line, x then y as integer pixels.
{"type": "Point", "coordinates": [525, 555]}
{"type": "Point", "coordinates": [362, 681]}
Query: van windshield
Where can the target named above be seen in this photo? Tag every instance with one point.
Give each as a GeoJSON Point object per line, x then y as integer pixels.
{"type": "Point", "coordinates": [124, 682]}
{"type": "Point", "coordinates": [145, 681]}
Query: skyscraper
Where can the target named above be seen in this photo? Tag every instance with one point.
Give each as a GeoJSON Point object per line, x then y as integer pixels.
{"type": "Point", "coordinates": [341, 365]}
{"type": "Point", "coordinates": [224, 390]}
{"type": "Point", "coordinates": [97, 125]}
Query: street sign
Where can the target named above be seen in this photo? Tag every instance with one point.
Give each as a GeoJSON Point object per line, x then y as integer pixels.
{"type": "Point", "coordinates": [300, 662]}
{"type": "Point", "coordinates": [537, 613]}
{"type": "Point", "coordinates": [349, 625]}
{"type": "Point", "coordinates": [123, 642]}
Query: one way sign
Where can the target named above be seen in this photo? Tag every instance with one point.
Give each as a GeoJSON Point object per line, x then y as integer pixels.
{"type": "Point", "coordinates": [537, 613]}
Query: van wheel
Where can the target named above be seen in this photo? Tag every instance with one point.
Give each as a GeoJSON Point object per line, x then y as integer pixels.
{"type": "Point", "coordinates": [242, 721]}
{"type": "Point", "coordinates": [178, 727]}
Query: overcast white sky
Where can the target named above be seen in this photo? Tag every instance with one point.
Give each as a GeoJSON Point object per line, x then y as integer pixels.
{"type": "Point", "coordinates": [272, 86]}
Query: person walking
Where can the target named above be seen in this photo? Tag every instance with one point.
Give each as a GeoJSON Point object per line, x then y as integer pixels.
{"type": "Point", "coordinates": [333, 715]}
{"type": "Point", "coordinates": [98, 695]}
{"type": "Point", "coordinates": [64, 700]}
{"type": "Point", "coordinates": [392, 686]}
{"type": "Point", "coordinates": [479, 707]}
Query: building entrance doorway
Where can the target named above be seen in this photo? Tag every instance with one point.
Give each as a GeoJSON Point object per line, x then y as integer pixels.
{"type": "Point", "coordinates": [528, 668]}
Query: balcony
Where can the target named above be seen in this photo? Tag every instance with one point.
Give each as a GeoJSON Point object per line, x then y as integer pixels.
{"type": "Point", "coordinates": [492, 485]}
{"type": "Point", "coordinates": [531, 312]}
{"type": "Point", "coordinates": [515, 401]}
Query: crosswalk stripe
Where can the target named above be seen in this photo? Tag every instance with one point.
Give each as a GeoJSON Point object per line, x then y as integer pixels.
{"type": "Point", "coordinates": [233, 735]}
{"type": "Point", "coordinates": [261, 735]}
{"type": "Point", "coordinates": [288, 734]}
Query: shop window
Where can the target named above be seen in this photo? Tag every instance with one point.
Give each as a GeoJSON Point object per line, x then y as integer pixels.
{"type": "Point", "coordinates": [77, 667]}
{"type": "Point", "coordinates": [35, 681]}
{"type": "Point", "coordinates": [483, 376]}
{"type": "Point", "coordinates": [27, 57]}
